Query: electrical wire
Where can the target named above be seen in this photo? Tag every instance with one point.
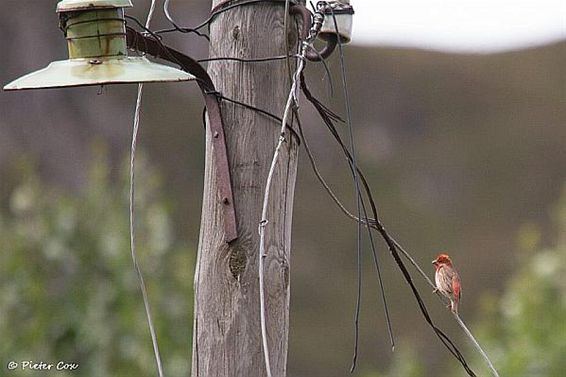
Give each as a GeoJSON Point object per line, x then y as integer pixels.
{"type": "Point", "coordinates": [361, 220]}
{"type": "Point", "coordinates": [136, 265]}
{"type": "Point", "coordinates": [286, 31]}
{"type": "Point", "coordinates": [172, 58]}
{"type": "Point", "coordinates": [212, 16]}
{"type": "Point", "coordinates": [393, 244]}
{"type": "Point", "coordinates": [360, 204]}
{"type": "Point", "coordinates": [377, 225]}
{"type": "Point", "coordinates": [264, 221]}
{"type": "Point", "coordinates": [241, 60]}
{"type": "Point", "coordinates": [263, 112]}
{"type": "Point", "coordinates": [179, 28]}
{"type": "Point", "coordinates": [291, 99]}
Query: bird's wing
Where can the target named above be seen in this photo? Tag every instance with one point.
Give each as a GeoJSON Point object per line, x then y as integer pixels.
{"type": "Point", "coordinates": [447, 276]}
{"type": "Point", "coordinates": [456, 286]}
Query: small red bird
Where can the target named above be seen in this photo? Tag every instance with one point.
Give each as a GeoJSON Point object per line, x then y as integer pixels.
{"type": "Point", "coordinates": [447, 281]}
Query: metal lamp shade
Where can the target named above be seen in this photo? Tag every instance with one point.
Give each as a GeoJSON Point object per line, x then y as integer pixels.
{"type": "Point", "coordinates": [73, 5]}
{"type": "Point", "coordinates": [81, 72]}
{"type": "Point", "coordinates": [96, 38]}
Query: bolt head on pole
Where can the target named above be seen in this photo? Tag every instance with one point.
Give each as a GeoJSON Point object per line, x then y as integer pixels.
{"type": "Point", "coordinates": [96, 39]}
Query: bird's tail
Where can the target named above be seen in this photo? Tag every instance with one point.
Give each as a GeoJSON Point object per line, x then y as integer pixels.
{"type": "Point", "coordinates": [454, 306]}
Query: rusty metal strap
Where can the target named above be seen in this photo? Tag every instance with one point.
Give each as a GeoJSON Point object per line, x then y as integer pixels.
{"type": "Point", "coordinates": [153, 47]}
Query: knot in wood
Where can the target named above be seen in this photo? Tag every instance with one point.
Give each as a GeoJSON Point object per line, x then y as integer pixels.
{"type": "Point", "coordinates": [237, 261]}
{"type": "Point", "coordinates": [236, 32]}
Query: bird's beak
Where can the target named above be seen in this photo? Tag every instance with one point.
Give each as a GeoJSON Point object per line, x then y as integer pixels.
{"type": "Point", "coordinates": [434, 261]}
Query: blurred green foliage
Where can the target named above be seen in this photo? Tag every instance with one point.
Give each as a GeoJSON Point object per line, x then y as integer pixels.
{"type": "Point", "coordinates": [406, 363]}
{"type": "Point", "coordinates": [69, 292]}
{"type": "Point", "coordinates": [525, 330]}
{"type": "Point", "coordinates": [68, 289]}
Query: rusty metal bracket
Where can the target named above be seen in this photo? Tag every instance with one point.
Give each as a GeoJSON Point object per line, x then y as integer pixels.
{"type": "Point", "coordinates": [154, 47]}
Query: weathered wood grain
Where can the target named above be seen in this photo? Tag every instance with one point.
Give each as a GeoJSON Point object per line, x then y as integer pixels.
{"type": "Point", "coordinates": [227, 338]}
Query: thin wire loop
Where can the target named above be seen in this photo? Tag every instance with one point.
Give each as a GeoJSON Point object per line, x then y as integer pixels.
{"type": "Point", "coordinates": [179, 28]}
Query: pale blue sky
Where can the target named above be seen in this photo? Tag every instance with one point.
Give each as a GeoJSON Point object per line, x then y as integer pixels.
{"type": "Point", "coordinates": [459, 25]}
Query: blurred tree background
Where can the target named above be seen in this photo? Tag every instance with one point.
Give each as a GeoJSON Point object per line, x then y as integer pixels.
{"type": "Point", "coordinates": [67, 282]}
{"type": "Point", "coordinates": [465, 154]}
{"type": "Point", "coordinates": [523, 329]}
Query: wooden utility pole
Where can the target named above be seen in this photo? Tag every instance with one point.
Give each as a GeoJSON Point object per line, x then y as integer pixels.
{"type": "Point", "coordinates": [227, 334]}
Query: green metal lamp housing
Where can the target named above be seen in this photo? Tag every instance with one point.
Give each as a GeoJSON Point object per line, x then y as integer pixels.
{"type": "Point", "coordinates": [96, 37]}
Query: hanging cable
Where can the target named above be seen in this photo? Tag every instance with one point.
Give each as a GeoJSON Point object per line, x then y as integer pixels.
{"type": "Point", "coordinates": [137, 267]}
{"type": "Point", "coordinates": [393, 244]}
{"type": "Point", "coordinates": [359, 202]}
{"type": "Point", "coordinates": [298, 80]}
{"type": "Point", "coordinates": [292, 99]}
{"type": "Point", "coordinates": [376, 224]}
